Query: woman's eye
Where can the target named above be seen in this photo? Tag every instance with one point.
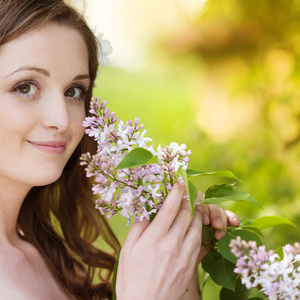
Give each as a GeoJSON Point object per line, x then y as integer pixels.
{"type": "Point", "coordinates": [27, 89]}
{"type": "Point", "coordinates": [77, 93]}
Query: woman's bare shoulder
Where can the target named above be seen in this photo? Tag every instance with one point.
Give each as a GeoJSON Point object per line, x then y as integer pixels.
{"type": "Point", "coordinates": [25, 275]}
{"type": "Point", "coordinates": [11, 274]}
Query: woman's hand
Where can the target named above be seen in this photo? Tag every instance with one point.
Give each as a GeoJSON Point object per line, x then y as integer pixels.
{"type": "Point", "coordinates": [158, 259]}
{"type": "Point", "coordinates": [219, 219]}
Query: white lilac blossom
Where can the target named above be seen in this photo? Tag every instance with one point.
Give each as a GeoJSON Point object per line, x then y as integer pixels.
{"type": "Point", "coordinates": [104, 48]}
{"type": "Point", "coordinates": [275, 277]}
{"type": "Point", "coordinates": [135, 192]}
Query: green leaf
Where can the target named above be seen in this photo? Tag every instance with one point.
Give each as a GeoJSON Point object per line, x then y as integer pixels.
{"type": "Point", "coordinates": [193, 193]}
{"type": "Point", "coordinates": [135, 158]}
{"type": "Point", "coordinates": [224, 173]}
{"type": "Point", "coordinates": [254, 229]}
{"type": "Point", "coordinates": [240, 292]}
{"type": "Point", "coordinates": [246, 222]}
{"type": "Point", "coordinates": [208, 233]}
{"type": "Point", "coordinates": [183, 174]}
{"type": "Point", "coordinates": [114, 279]}
{"type": "Point", "coordinates": [191, 190]}
{"type": "Point", "coordinates": [271, 221]}
{"type": "Point", "coordinates": [225, 192]}
{"type": "Point", "coordinates": [225, 240]}
{"type": "Point", "coordinates": [219, 269]}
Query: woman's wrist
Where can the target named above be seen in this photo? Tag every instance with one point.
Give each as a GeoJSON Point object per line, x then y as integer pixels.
{"type": "Point", "coordinates": [193, 290]}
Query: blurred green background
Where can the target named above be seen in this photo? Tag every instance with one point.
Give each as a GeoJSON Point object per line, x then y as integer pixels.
{"type": "Point", "coordinates": [224, 81]}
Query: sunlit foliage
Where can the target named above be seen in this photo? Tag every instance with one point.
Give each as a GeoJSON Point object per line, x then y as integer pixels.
{"type": "Point", "coordinates": [227, 84]}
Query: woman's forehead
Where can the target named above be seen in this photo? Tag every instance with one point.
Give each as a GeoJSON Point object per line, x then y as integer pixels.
{"type": "Point", "coordinates": [51, 47]}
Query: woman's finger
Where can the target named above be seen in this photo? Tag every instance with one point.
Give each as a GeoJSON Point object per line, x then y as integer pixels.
{"type": "Point", "coordinates": [181, 223]}
{"type": "Point", "coordinates": [221, 233]}
{"type": "Point", "coordinates": [215, 216]}
{"type": "Point", "coordinates": [169, 210]}
{"type": "Point", "coordinates": [205, 214]}
{"type": "Point", "coordinates": [192, 241]}
{"type": "Point", "coordinates": [135, 232]}
{"type": "Point", "coordinates": [232, 218]}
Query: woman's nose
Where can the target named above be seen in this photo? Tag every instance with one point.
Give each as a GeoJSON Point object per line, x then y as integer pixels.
{"type": "Point", "coordinates": [56, 113]}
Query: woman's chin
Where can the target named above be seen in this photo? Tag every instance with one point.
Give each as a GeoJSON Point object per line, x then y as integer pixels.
{"type": "Point", "coordinates": [46, 180]}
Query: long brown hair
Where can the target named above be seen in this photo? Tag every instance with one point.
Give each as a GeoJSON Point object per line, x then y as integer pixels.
{"type": "Point", "coordinates": [60, 219]}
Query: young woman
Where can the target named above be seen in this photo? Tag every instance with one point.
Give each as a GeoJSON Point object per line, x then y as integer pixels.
{"type": "Point", "coordinates": [48, 223]}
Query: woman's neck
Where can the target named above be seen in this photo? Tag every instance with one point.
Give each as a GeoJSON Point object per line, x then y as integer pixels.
{"type": "Point", "coordinates": [12, 196]}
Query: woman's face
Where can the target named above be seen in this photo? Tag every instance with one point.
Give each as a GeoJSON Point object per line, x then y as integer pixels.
{"type": "Point", "coordinates": [44, 75]}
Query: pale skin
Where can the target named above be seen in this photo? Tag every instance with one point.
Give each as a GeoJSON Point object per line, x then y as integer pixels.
{"type": "Point", "coordinates": [43, 76]}
{"type": "Point", "coordinates": [172, 243]}
{"type": "Point", "coordinates": [38, 72]}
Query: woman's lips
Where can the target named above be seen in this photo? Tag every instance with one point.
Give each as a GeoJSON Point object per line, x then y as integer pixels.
{"type": "Point", "coordinates": [51, 147]}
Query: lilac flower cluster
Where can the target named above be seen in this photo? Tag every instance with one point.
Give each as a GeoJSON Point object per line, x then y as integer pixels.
{"type": "Point", "coordinates": [138, 191]}
{"type": "Point", "coordinates": [275, 277]}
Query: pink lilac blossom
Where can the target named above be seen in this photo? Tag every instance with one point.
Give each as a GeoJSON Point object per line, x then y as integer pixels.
{"type": "Point", "coordinates": [135, 192]}
{"type": "Point", "coordinates": [275, 277]}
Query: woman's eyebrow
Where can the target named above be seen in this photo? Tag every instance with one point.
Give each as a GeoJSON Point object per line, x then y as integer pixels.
{"type": "Point", "coordinates": [80, 77]}
{"type": "Point", "coordinates": [45, 72]}
{"type": "Point", "coordinates": [29, 68]}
